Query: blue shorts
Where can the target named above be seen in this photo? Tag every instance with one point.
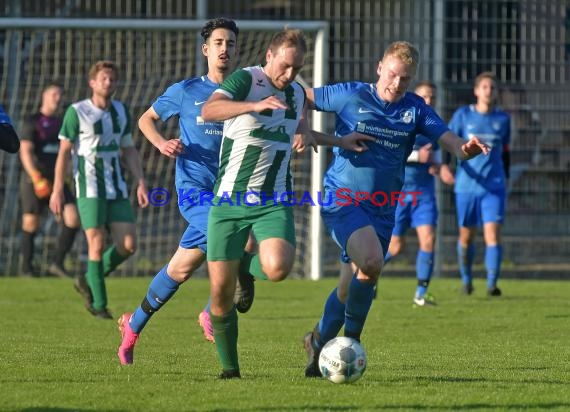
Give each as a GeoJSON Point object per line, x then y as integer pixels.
{"type": "Point", "coordinates": [477, 209]}
{"type": "Point", "coordinates": [196, 234]}
{"type": "Point", "coordinates": [343, 221]}
{"type": "Point", "coordinates": [416, 212]}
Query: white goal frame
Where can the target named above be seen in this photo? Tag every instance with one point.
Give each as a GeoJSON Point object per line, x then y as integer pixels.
{"type": "Point", "coordinates": [320, 77]}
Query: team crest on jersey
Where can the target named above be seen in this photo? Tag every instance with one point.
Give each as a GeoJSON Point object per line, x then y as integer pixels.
{"type": "Point", "coordinates": [407, 116]}
{"type": "Point", "coordinates": [496, 126]}
{"type": "Point", "coordinates": [361, 127]}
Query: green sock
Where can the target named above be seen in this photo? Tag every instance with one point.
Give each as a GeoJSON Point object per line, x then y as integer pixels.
{"type": "Point", "coordinates": [226, 334]}
{"type": "Point", "coordinates": [253, 265]}
{"type": "Point", "coordinates": [96, 283]}
{"type": "Point", "coordinates": [112, 259]}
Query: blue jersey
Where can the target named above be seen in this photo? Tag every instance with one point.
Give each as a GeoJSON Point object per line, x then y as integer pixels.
{"type": "Point", "coordinates": [197, 165]}
{"type": "Point", "coordinates": [418, 178]}
{"type": "Point", "coordinates": [395, 127]}
{"type": "Point", "coordinates": [4, 118]}
{"type": "Point", "coordinates": [482, 173]}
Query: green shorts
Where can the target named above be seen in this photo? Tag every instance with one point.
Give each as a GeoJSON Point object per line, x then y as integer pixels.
{"type": "Point", "coordinates": [229, 227]}
{"type": "Point", "coordinates": [95, 212]}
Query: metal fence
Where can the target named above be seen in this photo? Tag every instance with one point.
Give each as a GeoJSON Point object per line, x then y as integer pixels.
{"type": "Point", "coordinates": [526, 43]}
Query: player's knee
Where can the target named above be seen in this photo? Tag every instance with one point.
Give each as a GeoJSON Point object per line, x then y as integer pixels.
{"type": "Point", "coordinates": [427, 242]}
{"type": "Point", "coordinates": [30, 223]}
{"type": "Point", "coordinates": [277, 265]}
{"type": "Point", "coordinates": [277, 271]}
{"type": "Point", "coordinates": [128, 247]}
{"type": "Point", "coordinates": [181, 272]}
{"type": "Point", "coordinates": [179, 275]}
{"type": "Point", "coordinates": [371, 268]}
{"type": "Point", "coordinates": [72, 221]}
{"type": "Point", "coordinates": [276, 275]}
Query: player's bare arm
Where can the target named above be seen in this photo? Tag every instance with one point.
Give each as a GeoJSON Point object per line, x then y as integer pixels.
{"type": "Point", "coordinates": [27, 158]}
{"type": "Point", "coordinates": [219, 107]}
{"type": "Point", "coordinates": [168, 147]}
{"type": "Point", "coordinates": [354, 141]}
{"type": "Point", "coordinates": [132, 159]}
{"type": "Point", "coordinates": [310, 99]}
{"type": "Point", "coordinates": [57, 198]}
{"type": "Point", "coordinates": [304, 136]}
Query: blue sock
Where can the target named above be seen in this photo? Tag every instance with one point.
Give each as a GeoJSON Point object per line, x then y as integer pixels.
{"type": "Point", "coordinates": [465, 259]}
{"type": "Point", "coordinates": [331, 321]}
{"type": "Point", "coordinates": [207, 307]}
{"type": "Point", "coordinates": [387, 257]}
{"type": "Point", "coordinates": [161, 289]}
{"type": "Point", "coordinates": [360, 296]}
{"type": "Point", "coordinates": [424, 270]}
{"type": "Point", "coordinates": [493, 258]}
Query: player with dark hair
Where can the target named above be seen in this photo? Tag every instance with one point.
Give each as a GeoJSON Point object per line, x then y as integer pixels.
{"type": "Point", "coordinates": [9, 140]}
{"type": "Point", "coordinates": [97, 133]}
{"type": "Point", "coordinates": [481, 183]}
{"type": "Point", "coordinates": [419, 210]}
{"type": "Point", "coordinates": [362, 229]}
{"type": "Point", "coordinates": [38, 154]}
{"type": "Point", "coordinates": [197, 158]}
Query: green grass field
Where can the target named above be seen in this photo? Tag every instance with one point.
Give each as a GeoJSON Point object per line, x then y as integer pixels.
{"type": "Point", "coordinates": [469, 353]}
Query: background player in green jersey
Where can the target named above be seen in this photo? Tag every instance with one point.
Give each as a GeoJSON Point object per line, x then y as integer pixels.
{"type": "Point", "coordinates": [97, 132]}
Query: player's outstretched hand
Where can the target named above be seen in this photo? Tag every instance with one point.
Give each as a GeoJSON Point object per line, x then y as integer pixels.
{"type": "Point", "coordinates": [474, 147]}
{"type": "Point", "coordinates": [142, 195]}
{"type": "Point", "coordinates": [171, 148]}
{"type": "Point", "coordinates": [356, 142]}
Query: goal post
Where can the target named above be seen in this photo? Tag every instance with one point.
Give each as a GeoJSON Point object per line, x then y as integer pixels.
{"type": "Point", "coordinates": [151, 54]}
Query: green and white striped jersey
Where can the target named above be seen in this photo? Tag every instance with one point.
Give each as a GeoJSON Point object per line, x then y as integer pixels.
{"type": "Point", "coordinates": [98, 136]}
{"type": "Point", "coordinates": [256, 147]}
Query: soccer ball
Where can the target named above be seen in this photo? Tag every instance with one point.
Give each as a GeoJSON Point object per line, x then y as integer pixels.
{"type": "Point", "coordinates": [342, 360]}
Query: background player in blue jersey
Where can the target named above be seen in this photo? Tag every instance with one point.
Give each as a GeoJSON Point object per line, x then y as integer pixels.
{"type": "Point", "coordinates": [197, 159]}
{"type": "Point", "coordinates": [366, 185]}
{"type": "Point", "coordinates": [9, 140]}
{"type": "Point", "coordinates": [419, 212]}
{"type": "Point", "coordinates": [480, 183]}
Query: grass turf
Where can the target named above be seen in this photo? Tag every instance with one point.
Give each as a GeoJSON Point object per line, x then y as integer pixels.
{"type": "Point", "coordinates": [468, 353]}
